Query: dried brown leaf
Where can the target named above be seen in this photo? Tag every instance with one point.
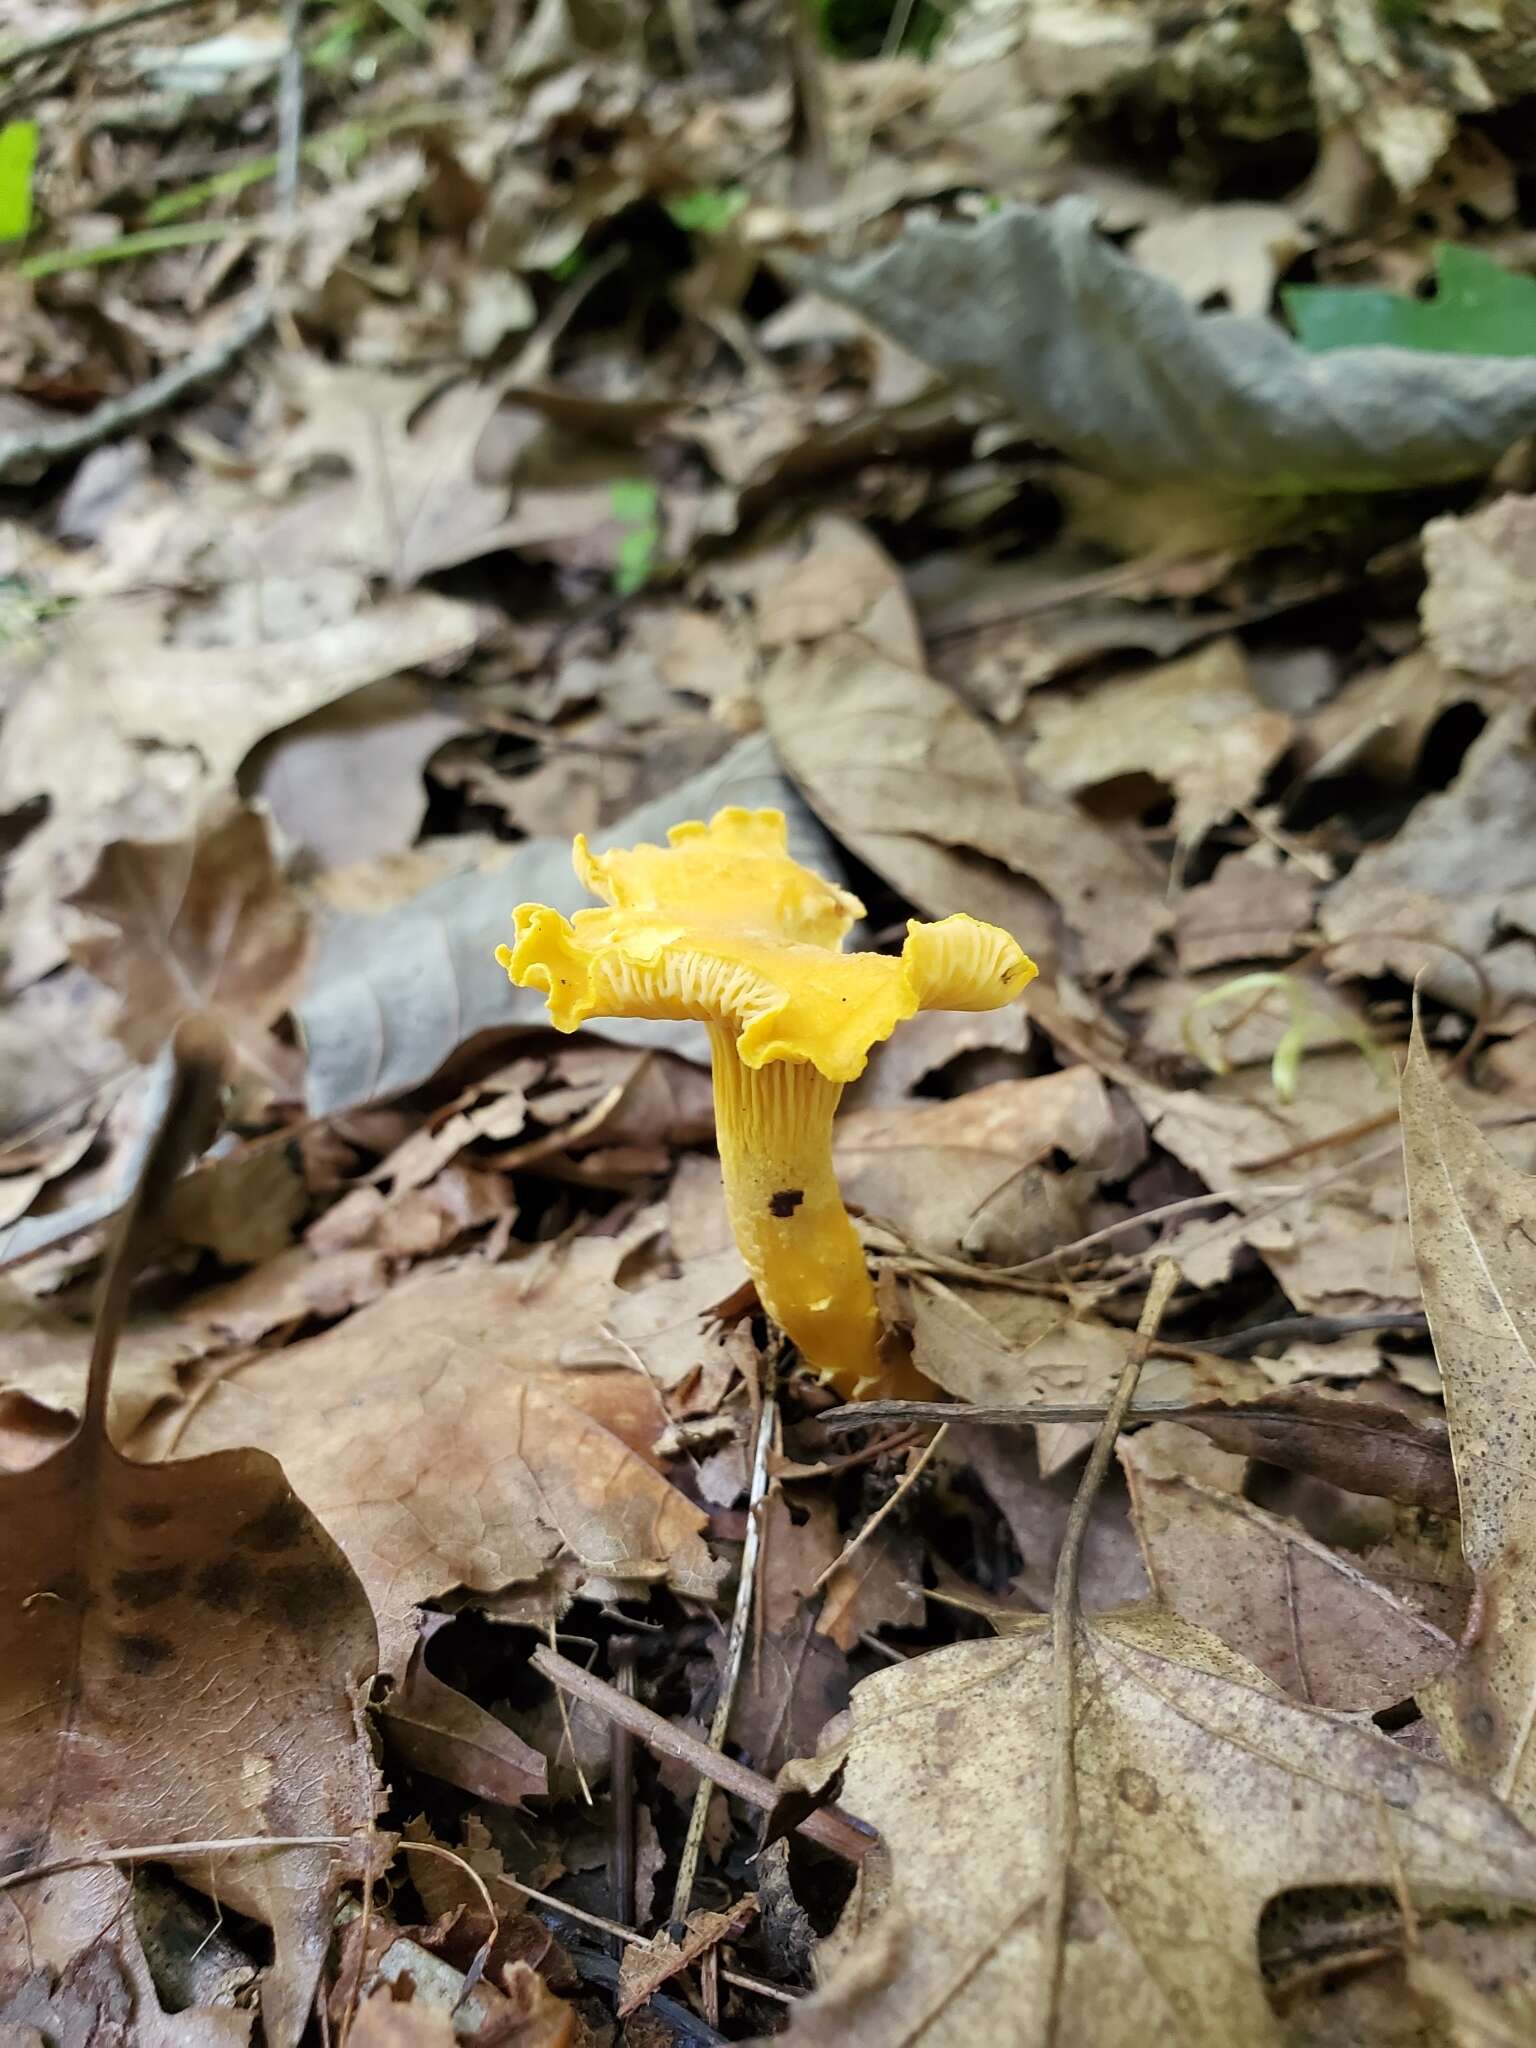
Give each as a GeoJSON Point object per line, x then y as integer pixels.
{"type": "Point", "coordinates": [1200, 1794]}
{"type": "Point", "coordinates": [920, 788]}
{"type": "Point", "coordinates": [439, 1730]}
{"type": "Point", "coordinates": [203, 924]}
{"type": "Point", "coordinates": [1460, 873]}
{"type": "Point", "coordinates": [438, 1440]}
{"type": "Point", "coordinates": [125, 731]}
{"type": "Point", "coordinates": [1309, 1618]}
{"type": "Point", "coordinates": [643, 1970]}
{"type": "Point", "coordinates": [184, 1645]}
{"type": "Point", "coordinates": [1470, 1216]}
{"type": "Point", "coordinates": [1196, 725]}
{"type": "Point", "coordinates": [1477, 607]}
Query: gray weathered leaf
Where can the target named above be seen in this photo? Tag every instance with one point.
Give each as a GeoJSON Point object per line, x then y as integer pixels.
{"type": "Point", "coordinates": [1113, 365]}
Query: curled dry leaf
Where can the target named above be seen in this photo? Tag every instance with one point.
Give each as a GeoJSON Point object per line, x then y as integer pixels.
{"type": "Point", "coordinates": [1461, 873]}
{"type": "Point", "coordinates": [440, 1445]}
{"type": "Point", "coordinates": [1201, 1793]}
{"type": "Point", "coordinates": [439, 1730]}
{"type": "Point", "coordinates": [1197, 725]}
{"type": "Point", "coordinates": [1111, 365]}
{"type": "Point", "coordinates": [1470, 1216]}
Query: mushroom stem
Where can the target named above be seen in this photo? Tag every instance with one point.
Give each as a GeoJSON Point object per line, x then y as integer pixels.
{"type": "Point", "coordinates": [774, 1126]}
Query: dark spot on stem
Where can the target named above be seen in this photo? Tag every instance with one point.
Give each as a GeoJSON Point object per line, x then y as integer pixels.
{"type": "Point", "coordinates": [786, 1201]}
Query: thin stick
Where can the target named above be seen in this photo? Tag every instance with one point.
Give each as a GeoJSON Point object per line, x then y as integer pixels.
{"type": "Point", "coordinates": [1317, 1327]}
{"type": "Point", "coordinates": [165, 1852]}
{"type": "Point", "coordinates": [735, 1650]}
{"type": "Point", "coordinates": [834, 1829]}
{"type": "Point", "coordinates": [476, 1969]}
{"type": "Point", "coordinates": [1028, 1413]}
{"type": "Point", "coordinates": [58, 39]}
{"type": "Point", "coordinates": [567, 1735]}
{"type": "Point", "coordinates": [908, 1480]}
{"type": "Point", "coordinates": [1064, 1622]}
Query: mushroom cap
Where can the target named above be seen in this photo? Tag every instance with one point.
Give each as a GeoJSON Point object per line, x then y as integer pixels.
{"type": "Point", "coordinates": [723, 926]}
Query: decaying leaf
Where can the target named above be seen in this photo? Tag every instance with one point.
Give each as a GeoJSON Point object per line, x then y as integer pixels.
{"type": "Point", "coordinates": [1470, 1215]}
{"type": "Point", "coordinates": [125, 731]}
{"type": "Point", "coordinates": [205, 924]}
{"type": "Point", "coordinates": [1109, 363]}
{"type": "Point", "coordinates": [439, 1730]}
{"type": "Point", "coordinates": [644, 1970]}
{"type": "Point", "coordinates": [1201, 1793]}
{"type": "Point", "coordinates": [1196, 725]}
{"type": "Point", "coordinates": [1458, 879]}
{"type": "Point", "coordinates": [1477, 608]}
{"type": "Point", "coordinates": [184, 1647]}
{"type": "Point", "coordinates": [439, 1442]}
{"type": "Point", "coordinates": [1309, 1618]}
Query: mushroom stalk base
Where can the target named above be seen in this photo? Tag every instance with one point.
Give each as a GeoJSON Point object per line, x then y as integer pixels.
{"type": "Point", "coordinates": [774, 1127]}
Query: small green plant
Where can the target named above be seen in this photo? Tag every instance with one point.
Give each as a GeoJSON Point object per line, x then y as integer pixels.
{"type": "Point", "coordinates": [1479, 309]}
{"type": "Point", "coordinates": [708, 211]}
{"type": "Point", "coordinates": [18, 159]}
{"type": "Point", "coordinates": [1306, 1013]}
{"type": "Point", "coordinates": [636, 505]}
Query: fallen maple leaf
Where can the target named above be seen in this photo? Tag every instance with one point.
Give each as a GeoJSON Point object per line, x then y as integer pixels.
{"type": "Point", "coordinates": [1470, 1213]}
{"type": "Point", "coordinates": [1084, 1820]}
{"type": "Point", "coordinates": [180, 1652]}
{"type": "Point", "coordinates": [202, 924]}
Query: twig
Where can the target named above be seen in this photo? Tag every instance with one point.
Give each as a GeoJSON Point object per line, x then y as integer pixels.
{"type": "Point", "coordinates": [1027, 1414]}
{"type": "Point", "coordinates": [834, 1829]}
{"type": "Point", "coordinates": [1319, 1328]}
{"type": "Point", "coordinates": [45, 445]}
{"type": "Point", "coordinates": [58, 39]}
{"type": "Point", "coordinates": [908, 1480]}
{"type": "Point", "coordinates": [30, 447]}
{"type": "Point", "coordinates": [166, 1852]}
{"type": "Point", "coordinates": [735, 1650]}
{"type": "Point", "coordinates": [1064, 1625]}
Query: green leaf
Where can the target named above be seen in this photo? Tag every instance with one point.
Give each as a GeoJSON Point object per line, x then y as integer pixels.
{"type": "Point", "coordinates": [708, 211]}
{"type": "Point", "coordinates": [1479, 309]}
{"type": "Point", "coordinates": [18, 154]}
{"type": "Point", "coordinates": [634, 501]}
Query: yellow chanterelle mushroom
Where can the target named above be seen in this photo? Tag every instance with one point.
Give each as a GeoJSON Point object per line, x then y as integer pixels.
{"type": "Point", "coordinates": [723, 926]}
